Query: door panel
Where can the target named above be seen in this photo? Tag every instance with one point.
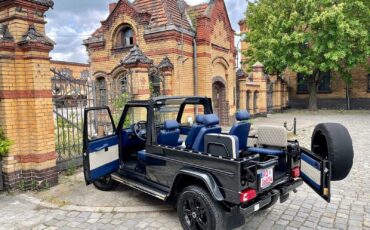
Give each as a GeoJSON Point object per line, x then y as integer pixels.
{"type": "Point", "coordinates": [101, 148]}
{"type": "Point", "coordinates": [316, 173]}
{"type": "Point", "coordinates": [103, 157]}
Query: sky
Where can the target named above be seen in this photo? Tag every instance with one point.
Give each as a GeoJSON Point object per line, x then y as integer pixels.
{"type": "Point", "coordinates": [72, 21]}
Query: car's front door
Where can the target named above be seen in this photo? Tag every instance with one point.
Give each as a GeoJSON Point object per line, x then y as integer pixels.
{"type": "Point", "coordinates": [101, 150]}
{"type": "Point", "coordinates": [316, 173]}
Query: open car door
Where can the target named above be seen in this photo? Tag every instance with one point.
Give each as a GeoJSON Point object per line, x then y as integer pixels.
{"type": "Point", "coordinates": [316, 173]}
{"type": "Point", "coordinates": [101, 150]}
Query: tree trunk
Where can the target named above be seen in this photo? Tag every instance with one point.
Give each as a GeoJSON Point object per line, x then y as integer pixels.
{"type": "Point", "coordinates": [312, 88]}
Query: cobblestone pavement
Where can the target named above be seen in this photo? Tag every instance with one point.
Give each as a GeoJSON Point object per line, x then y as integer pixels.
{"type": "Point", "coordinates": [349, 209]}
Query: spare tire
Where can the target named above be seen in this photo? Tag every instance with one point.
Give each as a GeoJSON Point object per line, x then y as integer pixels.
{"type": "Point", "coordinates": [332, 140]}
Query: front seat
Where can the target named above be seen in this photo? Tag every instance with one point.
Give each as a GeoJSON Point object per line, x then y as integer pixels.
{"type": "Point", "coordinates": [211, 125]}
{"type": "Point", "coordinates": [194, 131]}
{"type": "Point", "coordinates": [241, 128]}
{"type": "Point", "coordinates": [170, 134]}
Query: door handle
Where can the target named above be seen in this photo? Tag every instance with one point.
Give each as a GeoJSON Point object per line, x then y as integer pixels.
{"type": "Point", "coordinates": [103, 147]}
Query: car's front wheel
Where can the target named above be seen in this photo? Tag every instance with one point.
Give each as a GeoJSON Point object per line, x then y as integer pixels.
{"type": "Point", "coordinates": [198, 210]}
{"type": "Point", "coordinates": [105, 184]}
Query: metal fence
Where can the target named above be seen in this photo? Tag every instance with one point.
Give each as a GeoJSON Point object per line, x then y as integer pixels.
{"type": "Point", "coordinates": [70, 97]}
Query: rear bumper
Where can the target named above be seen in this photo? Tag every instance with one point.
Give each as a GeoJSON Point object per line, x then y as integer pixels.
{"type": "Point", "coordinates": [282, 191]}
{"type": "Point", "coordinates": [238, 213]}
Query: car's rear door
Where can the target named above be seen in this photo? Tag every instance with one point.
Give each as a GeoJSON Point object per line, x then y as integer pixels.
{"type": "Point", "coordinates": [316, 173]}
{"type": "Point", "coordinates": [101, 150]}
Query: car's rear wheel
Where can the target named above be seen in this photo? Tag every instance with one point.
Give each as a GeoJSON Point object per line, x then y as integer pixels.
{"type": "Point", "coordinates": [105, 184]}
{"type": "Point", "coordinates": [333, 141]}
{"type": "Point", "coordinates": [198, 210]}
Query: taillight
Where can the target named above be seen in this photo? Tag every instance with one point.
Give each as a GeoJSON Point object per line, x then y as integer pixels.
{"type": "Point", "coordinates": [296, 172]}
{"type": "Point", "coordinates": [247, 195]}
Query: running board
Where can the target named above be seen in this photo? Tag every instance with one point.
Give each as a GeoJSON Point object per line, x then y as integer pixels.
{"type": "Point", "coordinates": [140, 186]}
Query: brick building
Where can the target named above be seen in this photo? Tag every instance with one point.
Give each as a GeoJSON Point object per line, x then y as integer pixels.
{"type": "Point", "coordinates": [332, 89]}
{"type": "Point", "coordinates": [77, 70]}
{"type": "Point", "coordinates": [259, 93]}
{"type": "Point", "coordinates": [166, 47]}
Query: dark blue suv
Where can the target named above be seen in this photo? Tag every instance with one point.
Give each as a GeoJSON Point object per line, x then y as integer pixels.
{"type": "Point", "coordinates": [173, 148]}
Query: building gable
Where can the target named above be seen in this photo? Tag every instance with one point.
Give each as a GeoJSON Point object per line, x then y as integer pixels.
{"type": "Point", "coordinates": [220, 23]}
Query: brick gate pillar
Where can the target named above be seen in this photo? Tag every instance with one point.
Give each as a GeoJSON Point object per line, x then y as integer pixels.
{"type": "Point", "coordinates": [259, 78]}
{"type": "Point", "coordinates": [166, 67]}
{"type": "Point", "coordinates": [26, 112]}
{"type": "Point", "coordinates": [138, 64]}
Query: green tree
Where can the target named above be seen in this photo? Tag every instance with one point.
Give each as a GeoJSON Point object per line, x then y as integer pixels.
{"type": "Point", "coordinates": [309, 37]}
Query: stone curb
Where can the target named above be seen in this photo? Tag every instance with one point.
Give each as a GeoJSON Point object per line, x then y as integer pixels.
{"type": "Point", "coordinates": [133, 209]}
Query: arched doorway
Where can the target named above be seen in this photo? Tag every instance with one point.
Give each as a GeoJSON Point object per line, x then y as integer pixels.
{"type": "Point", "coordinates": [248, 106]}
{"type": "Point", "coordinates": [255, 102]}
{"type": "Point", "coordinates": [219, 101]}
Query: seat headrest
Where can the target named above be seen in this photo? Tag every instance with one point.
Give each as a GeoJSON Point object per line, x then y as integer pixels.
{"type": "Point", "coordinates": [242, 115]}
{"type": "Point", "coordinates": [210, 119]}
{"type": "Point", "coordinates": [171, 125]}
{"type": "Point", "coordinates": [199, 119]}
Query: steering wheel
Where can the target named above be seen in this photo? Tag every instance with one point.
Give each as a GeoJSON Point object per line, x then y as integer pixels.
{"type": "Point", "coordinates": [139, 129]}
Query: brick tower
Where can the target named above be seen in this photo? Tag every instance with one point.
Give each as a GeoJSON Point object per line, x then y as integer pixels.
{"type": "Point", "coordinates": [25, 93]}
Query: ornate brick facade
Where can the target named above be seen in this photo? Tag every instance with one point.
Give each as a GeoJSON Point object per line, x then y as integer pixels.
{"type": "Point", "coordinates": [197, 41]}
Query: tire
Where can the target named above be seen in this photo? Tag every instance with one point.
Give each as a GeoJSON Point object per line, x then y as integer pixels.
{"type": "Point", "coordinates": [106, 184]}
{"type": "Point", "coordinates": [333, 141]}
{"type": "Point", "coordinates": [198, 210]}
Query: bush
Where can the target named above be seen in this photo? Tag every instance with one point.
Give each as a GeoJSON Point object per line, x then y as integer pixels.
{"type": "Point", "coordinates": [4, 144]}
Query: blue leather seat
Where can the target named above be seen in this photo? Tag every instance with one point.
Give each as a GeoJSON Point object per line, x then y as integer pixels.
{"type": "Point", "coordinates": [170, 134]}
{"type": "Point", "coordinates": [241, 128]}
{"type": "Point", "coordinates": [211, 125]}
{"type": "Point", "coordinates": [194, 131]}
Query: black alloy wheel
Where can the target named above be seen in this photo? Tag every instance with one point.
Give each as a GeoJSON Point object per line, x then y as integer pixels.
{"type": "Point", "coordinates": [197, 210]}
{"type": "Point", "coordinates": [195, 214]}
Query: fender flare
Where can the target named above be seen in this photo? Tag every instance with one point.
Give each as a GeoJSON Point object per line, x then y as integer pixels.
{"type": "Point", "coordinates": [206, 178]}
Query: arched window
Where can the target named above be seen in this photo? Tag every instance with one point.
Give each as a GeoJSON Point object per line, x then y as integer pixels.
{"type": "Point", "coordinates": [155, 83]}
{"type": "Point", "coordinates": [101, 92]}
{"type": "Point", "coordinates": [120, 84]}
{"type": "Point", "coordinates": [124, 37]}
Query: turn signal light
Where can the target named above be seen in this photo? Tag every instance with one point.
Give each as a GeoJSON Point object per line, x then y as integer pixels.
{"type": "Point", "coordinates": [296, 172]}
{"type": "Point", "coordinates": [247, 195]}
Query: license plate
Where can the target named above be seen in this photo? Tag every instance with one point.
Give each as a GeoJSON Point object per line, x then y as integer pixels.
{"type": "Point", "coordinates": [266, 177]}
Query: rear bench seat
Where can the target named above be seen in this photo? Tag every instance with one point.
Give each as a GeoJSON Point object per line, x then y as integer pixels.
{"type": "Point", "coordinates": [272, 140]}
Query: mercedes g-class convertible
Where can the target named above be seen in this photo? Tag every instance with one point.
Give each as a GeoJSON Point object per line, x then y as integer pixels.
{"type": "Point", "coordinates": [173, 148]}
